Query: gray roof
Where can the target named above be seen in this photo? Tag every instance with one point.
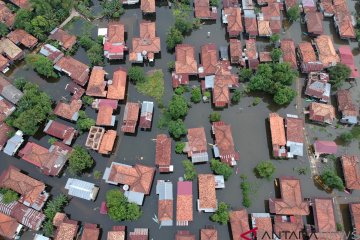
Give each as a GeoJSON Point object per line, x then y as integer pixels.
{"type": "Point", "coordinates": [209, 81]}
{"type": "Point", "coordinates": [81, 189]}
{"type": "Point", "coordinates": [199, 157]}
{"type": "Point", "coordinates": [296, 149]}
{"type": "Point", "coordinates": [11, 93]}
{"type": "Point", "coordinates": [165, 190]}
{"type": "Point", "coordinates": [147, 107]}
{"type": "Point", "coordinates": [14, 143]}
{"type": "Point", "coordinates": [135, 197]}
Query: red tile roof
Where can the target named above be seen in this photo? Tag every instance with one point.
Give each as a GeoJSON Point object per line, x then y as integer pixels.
{"type": "Point", "coordinates": [68, 111]}
{"type": "Point", "coordinates": [6, 109]}
{"type": "Point", "coordinates": [295, 129]}
{"type": "Point", "coordinates": [20, 36]}
{"type": "Point", "coordinates": [320, 112]}
{"type": "Point", "coordinates": [277, 130]}
{"type": "Point", "coordinates": [208, 234]}
{"type": "Point", "coordinates": [131, 116]}
{"type": "Point", "coordinates": [67, 230]}
{"type": "Point", "coordinates": [347, 58]}
{"type": "Point", "coordinates": [117, 233]}
{"type": "Point", "coordinates": [264, 28]}
{"type": "Point", "coordinates": [196, 140]}
{"type": "Point", "coordinates": [271, 13]}
{"type": "Point", "coordinates": [77, 71]}
{"type": "Point", "coordinates": [265, 57]}
{"type": "Point", "coordinates": [147, 42]}
{"type": "Point", "coordinates": [326, 50]}
{"type": "Point", "coordinates": [21, 3]}
{"type": "Point", "coordinates": [184, 235]}
{"type": "Point", "coordinates": [185, 60]}
{"type": "Point", "coordinates": [251, 27]}
{"type": "Point", "coordinates": [230, 3]}
{"type": "Point", "coordinates": [61, 131]}
{"type": "Point", "coordinates": [351, 170]}
{"type": "Point", "coordinates": [209, 59]}
{"type": "Point", "coordinates": [4, 63]}
{"type": "Point", "coordinates": [90, 232]}
{"type": "Point", "coordinates": [97, 84]}
{"type": "Point", "coordinates": [314, 23]}
{"type": "Point", "coordinates": [207, 194]}
{"type": "Point", "coordinates": [5, 130]}
{"type": "Point", "coordinates": [239, 222]}
{"type": "Point", "coordinates": [115, 33]}
{"type": "Point", "coordinates": [139, 234]}
{"type": "Point", "coordinates": [325, 147]}
{"type": "Point", "coordinates": [184, 201]}
{"type": "Point", "coordinates": [345, 103]}
{"type": "Point", "coordinates": [6, 15]}
{"type": "Point", "coordinates": [224, 141]}
{"type": "Point", "coordinates": [203, 11]}
{"type": "Point", "coordinates": [250, 49]}
{"type": "Point", "coordinates": [165, 210]}
{"type": "Point", "coordinates": [264, 226]}
{"type": "Point", "coordinates": [234, 21]}
{"type": "Point", "coordinates": [148, 6]}
{"type": "Point", "coordinates": [117, 89]}
{"type": "Point", "coordinates": [105, 116]}
{"type": "Point", "coordinates": [288, 50]}
{"type": "Point", "coordinates": [8, 226]}
{"type": "Point", "coordinates": [355, 216]}
{"type": "Point", "coordinates": [324, 215]}
{"type": "Point", "coordinates": [163, 150]}
{"type": "Point", "coordinates": [65, 39]}
{"type": "Point", "coordinates": [283, 228]}
{"type": "Point", "coordinates": [236, 51]}
{"type": "Point", "coordinates": [107, 142]}
{"type": "Point", "coordinates": [307, 52]}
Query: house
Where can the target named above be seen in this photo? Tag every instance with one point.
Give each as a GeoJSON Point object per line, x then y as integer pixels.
{"type": "Point", "coordinates": [139, 177]}
{"type": "Point", "coordinates": [209, 59]}
{"type": "Point", "coordinates": [290, 3]}
{"type": "Point", "coordinates": [292, 224]}
{"type": "Point", "coordinates": [278, 138]}
{"type": "Point", "coordinates": [295, 135]}
{"type": "Point", "coordinates": [308, 60]}
{"type": "Point", "coordinates": [232, 17]}
{"type": "Point", "coordinates": [272, 14]}
{"type": "Point", "coordinates": [139, 233]}
{"type": "Point", "coordinates": [66, 40]}
{"type": "Point", "coordinates": [326, 51]}
{"type": "Point", "coordinates": [314, 23]}
{"type": "Point", "coordinates": [203, 10]}
{"type": "Point", "coordinates": [250, 22]}
{"type": "Point", "coordinates": [19, 36]}
{"type": "Point", "coordinates": [224, 147]}
{"type": "Point", "coordinates": [146, 115]}
{"type": "Point", "coordinates": [22, 3]}
{"type": "Point", "coordinates": [239, 223]}
{"type": "Point", "coordinates": [185, 64]}
{"type": "Point", "coordinates": [6, 15]}
{"type": "Point", "coordinates": [10, 50]}
{"type": "Point", "coordinates": [117, 232]}
{"type": "Point", "coordinates": [4, 64]}
{"type": "Point", "coordinates": [9, 91]}
{"type": "Point", "coordinates": [117, 85]}
{"type": "Point", "coordinates": [349, 111]}
{"type": "Point", "coordinates": [51, 161]}
{"type": "Point", "coordinates": [81, 189]}
{"type": "Point", "coordinates": [9, 227]}
{"type": "Point", "coordinates": [90, 232]}
{"type": "Point", "coordinates": [288, 52]}
{"type": "Point", "coordinates": [14, 143]}
{"type": "Point", "coordinates": [51, 52]}
{"type": "Point", "coordinates": [322, 113]}
{"type": "Point", "coordinates": [27, 216]}
{"type": "Point", "coordinates": [236, 52]}
{"type": "Point", "coordinates": [107, 142]}
{"type": "Point", "coordinates": [262, 221]}
{"type": "Point", "coordinates": [32, 192]}
{"type": "Point", "coordinates": [166, 202]}
{"type": "Point", "coordinates": [40, 237]}
{"type": "Point", "coordinates": [105, 116]}
{"type": "Point", "coordinates": [95, 137]}
{"type": "Point", "coordinates": [265, 57]}
{"type": "Point", "coordinates": [347, 58]}
{"type": "Point", "coordinates": [308, 6]}
{"type": "Point", "coordinates": [343, 20]}
{"type": "Point", "coordinates": [196, 147]}
{"type": "Point", "coordinates": [208, 233]}
{"type": "Point", "coordinates": [131, 116]}
{"type": "Point", "coordinates": [163, 153]}
{"type": "Point", "coordinates": [355, 216]}
{"type": "Point", "coordinates": [324, 148]}
{"type": "Point", "coordinates": [6, 109]}
{"type": "Point", "coordinates": [147, 45]}
{"type": "Point", "coordinates": [69, 111]}
{"type": "Point", "coordinates": [96, 86]}
{"type": "Point", "coordinates": [291, 201]}
{"type": "Point", "coordinates": [207, 200]}
{"type": "Point", "coordinates": [248, 4]}
{"type": "Point", "coordinates": [351, 170]}
{"type": "Point", "coordinates": [61, 131]}
{"type": "Point", "coordinates": [224, 54]}
{"type": "Point", "coordinates": [184, 203]}
{"type": "Point", "coordinates": [318, 86]}
{"type": "Point", "coordinates": [251, 53]}
{"type": "Point", "coordinates": [230, 3]}
{"type": "Point", "coordinates": [99, 103]}
{"type": "Point", "coordinates": [74, 89]}
{"type": "Point", "coordinates": [114, 41]}
{"type": "Point", "coordinates": [76, 70]}
{"type": "Point", "coordinates": [184, 235]}
{"type": "Point", "coordinates": [264, 28]}
{"type": "Point", "coordinates": [5, 132]}
{"type": "Point", "coordinates": [66, 229]}
{"type": "Point", "coordinates": [148, 6]}
{"type": "Point", "coordinates": [327, 8]}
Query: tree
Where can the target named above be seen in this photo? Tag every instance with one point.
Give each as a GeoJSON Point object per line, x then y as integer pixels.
{"type": "Point", "coordinates": [86, 42]}
{"type": "Point", "coordinates": [171, 66]}
{"type": "Point", "coordinates": [346, 137]}
{"type": "Point", "coordinates": [80, 160]}
{"type": "Point", "coordinates": [112, 8]}
{"type": "Point", "coordinates": [52, 140]}
{"type": "Point", "coordinates": [245, 188]}
{"type": "Point", "coordinates": [221, 168]}
{"type": "Point", "coordinates": [284, 95]}
{"type": "Point", "coordinates": [48, 228]}
{"type": "Point", "coordinates": [190, 171]}
{"type": "Point", "coordinates": [236, 96]}
{"type": "Point", "coordinates": [214, 3]}
{"type": "Point", "coordinates": [338, 74]}
{"type": "Point", "coordinates": [136, 74]}
{"type": "Point", "coordinates": [276, 54]}
{"type": "Point", "coordinates": [215, 117]}
{"type": "Point", "coordinates": [245, 74]}
{"type": "Point", "coordinates": [331, 179]}
{"type": "Point", "coordinates": [265, 169]}
{"type": "Point", "coordinates": [84, 123]}
{"type": "Point", "coordinates": [177, 128]}
{"type": "Point", "coordinates": [41, 65]}
{"type": "Point", "coordinates": [178, 107]}
{"type": "Point", "coordinates": [3, 30]}
{"type": "Point", "coordinates": [8, 195]}
{"type": "Point", "coordinates": [275, 38]}
{"type": "Point", "coordinates": [87, 100]}
{"type": "Point", "coordinates": [196, 95]}
{"type": "Point", "coordinates": [183, 25]}
{"type": "Point", "coordinates": [119, 209]}
{"type": "Point", "coordinates": [95, 55]}
{"type": "Point", "coordinates": [222, 214]}
{"type": "Point", "coordinates": [179, 147]}
{"type": "Point", "coordinates": [19, 83]}
{"type": "Point", "coordinates": [173, 37]}
{"type": "Point", "coordinates": [293, 13]}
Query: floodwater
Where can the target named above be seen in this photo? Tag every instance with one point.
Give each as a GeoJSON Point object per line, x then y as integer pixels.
{"type": "Point", "coordinates": [249, 126]}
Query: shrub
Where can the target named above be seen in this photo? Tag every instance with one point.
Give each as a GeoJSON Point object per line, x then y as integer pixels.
{"type": "Point", "coordinates": [221, 168]}
{"type": "Point", "coordinates": [119, 208]}
{"type": "Point", "coordinates": [236, 96]}
{"type": "Point", "coordinates": [196, 95]}
{"type": "Point", "coordinates": [179, 147]}
{"type": "Point", "coordinates": [190, 171]}
{"type": "Point", "coordinates": [136, 74]}
{"type": "Point", "coordinates": [331, 179]}
{"type": "Point", "coordinates": [80, 160]}
{"type": "Point", "coordinates": [8, 195]}
{"type": "Point", "coordinates": [176, 128]}
{"type": "Point", "coordinates": [222, 214]}
{"type": "Point", "coordinates": [265, 169]}
{"type": "Point", "coordinates": [215, 117]}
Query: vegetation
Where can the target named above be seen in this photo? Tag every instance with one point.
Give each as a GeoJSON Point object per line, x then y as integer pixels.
{"type": "Point", "coordinates": [94, 50]}
{"type": "Point", "coordinates": [293, 13]}
{"type": "Point", "coordinates": [153, 85]}
{"type": "Point", "coordinates": [119, 208]}
{"type": "Point", "coordinates": [8, 195]}
{"type": "Point", "coordinates": [83, 7]}
{"type": "Point", "coordinates": [331, 179]}
{"type": "Point", "coordinates": [275, 38]}
{"type": "Point", "coordinates": [346, 138]}
{"type": "Point", "coordinates": [245, 188]}
{"type": "Point", "coordinates": [33, 108]}
{"type": "Point", "coordinates": [52, 141]}
{"type": "Point", "coordinates": [179, 147]}
{"type": "Point", "coordinates": [215, 117]}
{"type": "Point", "coordinates": [276, 54]}
{"type": "Point", "coordinates": [265, 169]}
{"type": "Point", "coordinates": [179, 90]}
{"type": "Point", "coordinates": [171, 66]}
{"type": "Point", "coordinates": [97, 174]}
{"type": "Point", "coordinates": [221, 168]}
{"type": "Point", "coordinates": [190, 171]}
{"type": "Point", "coordinates": [3, 30]}
{"type": "Point", "coordinates": [87, 100]}
{"type": "Point", "coordinates": [136, 74]}
{"type": "Point", "coordinates": [80, 161]}
{"type": "Point", "coordinates": [178, 107]}
{"type": "Point", "coordinates": [41, 65]}
{"type": "Point", "coordinates": [222, 214]}
{"type": "Point", "coordinates": [84, 123]}
{"type": "Point", "coordinates": [196, 95]}
{"type": "Point", "coordinates": [214, 3]}
{"type": "Point", "coordinates": [177, 128]}
{"type": "Point", "coordinates": [52, 207]}
{"type": "Point", "coordinates": [338, 74]}
{"type": "Point", "coordinates": [236, 96]}
{"type": "Point", "coordinates": [173, 37]}
{"type": "Point", "coordinates": [245, 74]}
{"type": "Point", "coordinates": [112, 8]}
{"type": "Point", "coordinates": [256, 101]}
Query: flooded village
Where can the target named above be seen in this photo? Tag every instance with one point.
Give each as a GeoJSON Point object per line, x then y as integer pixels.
{"type": "Point", "coordinates": [146, 136]}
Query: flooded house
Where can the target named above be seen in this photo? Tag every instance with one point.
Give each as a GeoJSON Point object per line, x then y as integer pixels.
{"type": "Point", "coordinates": [272, 14]}
{"type": "Point", "coordinates": [308, 6]}
{"type": "Point", "coordinates": [290, 4]}
{"type": "Point", "coordinates": [97, 84]}
{"type": "Point", "coordinates": [4, 64]}
{"type": "Point", "coordinates": [165, 203]}
{"type": "Point", "coordinates": [6, 109]}
{"type": "Point", "coordinates": [32, 192]}
{"type": "Point", "coordinates": [326, 51]}
{"type": "Point", "coordinates": [239, 223]}
{"type": "Point", "coordinates": [250, 22]}
{"type": "Point", "coordinates": [11, 50]}
{"type": "Point", "coordinates": [117, 232]}
{"type": "Point", "coordinates": [351, 169]}
{"type": "Point", "coordinates": [117, 85]}
{"type": "Point", "coordinates": [65, 227]}
{"type": "Point", "coordinates": [230, 3]}
{"type": "Point", "coordinates": [263, 223]}
{"type": "Point", "coordinates": [324, 148]}
{"type": "Point", "coordinates": [94, 138]}
{"type": "Point", "coordinates": [207, 200]}
{"type": "Point", "coordinates": [185, 64]}
{"type": "Point", "coordinates": [146, 45]}
{"type": "Point", "coordinates": [208, 233]}
{"type": "Point", "coordinates": [251, 53]}
{"type": "Point", "coordinates": [90, 232]}
{"type": "Point", "coordinates": [288, 228]}
{"type": "Point", "coordinates": [146, 115]}
{"type": "Point", "coordinates": [236, 55]}
{"type": "Point", "coordinates": [139, 233]}
{"type": "Point", "coordinates": [224, 147]}
{"type": "Point", "coordinates": [76, 70]}
{"type": "Point", "coordinates": [148, 6]}
{"type": "Point", "coordinates": [20, 36]}
{"type": "Point", "coordinates": [60, 131]}
{"type": "Point", "coordinates": [131, 116]}
{"type": "Point", "coordinates": [347, 58]}
{"type": "Point", "coordinates": [107, 143]}
{"type": "Point", "coordinates": [5, 131]}
{"type": "Point", "coordinates": [13, 144]}
{"type": "Point", "coordinates": [184, 203]}
{"type": "Point", "coordinates": [50, 161]}
{"type": "Point", "coordinates": [81, 189]}
{"type": "Point", "coordinates": [21, 3]}
{"type": "Point", "coordinates": [355, 216]}
{"type": "Point", "coordinates": [209, 60]}
{"type": "Point", "coordinates": [343, 20]}
{"type": "Point", "coordinates": [314, 23]}
{"type": "Point", "coordinates": [66, 40]}
{"type": "Point", "coordinates": [114, 40]}
{"type": "Point", "coordinates": [264, 28]}
{"type": "Point", "coordinates": [318, 87]}
{"type": "Point", "coordinates": [105, 115]}
{"type": "Point", "coordinates": [9, 91]}
{"type": "Point", "coordinates": [295, 128]}
{"type": "Point", "coordinates": [288, 52]}
{"type": "Point", "coordinates": [184, 235]}
{"type": "Point", "coordinates": [9, 227]}
{"type": "Point", "coordinates": [327, 8]}
{"type": "Point", "coordinates": [308, 59]}
{"type": "Point", "coordinates": [232, 18]}
{"type": "Point", "coordinates": [163, 153]}
{"type": "Point", "coordinates": [346, 106]}
{"type": "Point", "coordinates": [68, 110]}
{"type": "Point", "coordinates": [203, 10]}
{"type": "Point", "coordinates": [75, 90]}
{"type": "Point", "coordinates": [51, 52]}
{"type": "Point", "coordinates": [321, 113]}
{"type": "Point", "coordinates": [7, 17]}
{"type": "Point", "coordinates": [278, 138]}
{"type": "Point", "coordinates": [196, 147]}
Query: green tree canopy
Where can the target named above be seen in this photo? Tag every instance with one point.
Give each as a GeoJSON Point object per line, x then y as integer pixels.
{"type": "Point", "coordinates": [245, 74]}
{"type": "Point", "coordinates": [177, 128]}
{"type": "Point", "coordinates": [190, 171]}
{"type": "Point", "coordinates": [236, 96]}
{"type": "Point", "coordinates": [215, 117]}
{"type": "Point", "coordinates": [136, 74]}
{"type": "Point", "coordinates": [338, 74]}
{"type": "Point", "coordinates": [119, 209]}
{"type": "Point", "coordinates": [179, 147]}
{"type": "Point", "coordinates": [331, 179]}
{"type": "Point", "coordinates": [112, 8]}
{"type": "Point", "coordinates": [265, 169]}
{"type": "Point", "coordinates": [173, 37]}
{"type": "Point", "coordinates": [84, 123]}
{"type": "Point", "coordinates": [293, 13]}
{"type": "Point", "coordinates": [80, 160]}
{"type": "Point", "coordinates": [3, 30]}
{"type": "Point", "coordinates": [41, 65]}
{"type": "Point", "coordinates": [178, 107]}
{"type": "Point", "coordinates": [276, 54]}
{"type": "Point", "coordinates": [221, 168]}
{"type": "Point", "coordinates": [346, 137]}
{"type": "Point", "coordinates": [8, 195]}
{"type": "Point", "coordinates": [196, 95]}
{"type": "Point", "coordinates": [222, 214]}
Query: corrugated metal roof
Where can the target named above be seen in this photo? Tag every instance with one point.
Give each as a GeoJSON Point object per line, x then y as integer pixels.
{"type": "Point", "coordinates": [165, 190]}
{"type": "Point", "coordinates": [81, 189]}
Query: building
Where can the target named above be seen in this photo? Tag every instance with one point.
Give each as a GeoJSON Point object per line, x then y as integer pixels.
{"type": "Point", "coordinates": [10, 50]}
{"type": "Point", "coordinates": [146, 115]}
{"type": "Point", "coordinates": [283, 225]}
{"type": "Point", "coordinates": [117, 232]}
{"type": "Point", "coordinates": [262, 221]}
{"type": "Point", "coordinates": [95, 137]}
{"type": "Point", "coordinates": [207, 200]}
{"type": "Point", "coordinates": [148, 6]}
{"type": "Point", "coordinates": [14, 143]}
{"type": "Point", "coordinates": [272, 14]}
{"type": "Point", "coordinates": [131, 116]}
{"type": "Point", "coordinates": [308, 60]}
{"type": "Point", "coordinates": [347, 58]}
{"type": "Point", "coordinates": [5, 131]}
{"type": "Point", "coordinates": [208, 233]}
{"type": "Point", "coordinates": [184, 203]}
{"type": "Point", "coordinates": [322, 113]}
{"type": "Point", "coordinates": [9, 227]}
{"type": "Point", "coordinates": [232, 18]}
{"type": "Point", "coordinates": [224, 147]}
{"type": "Point", "coordinates": [239, 223]}
{"type": "Point", "coordinates": [68, 111]}
{"type": "Point", "coordinates": [185, 64]}
{"type": "Point", "coordinates": [9, 91]}
{"type": "Point", "coordinates": [61, 131]}
{"type": "Point", "coordinates": [355, 216]}
{"type": "Point", "coordinates": [6, 109]}
{"type": "Point", "coordinates": [51, 161]}
{"type": "Point", "coordinates": [349, 111]}
{"type": "Point", "coordinates": [288, 52]}
{"type": "Point", "coordinates": [32, 192]}
{"type": "Point", "coordinates": [76, 70]}
{"type": "Point", "coordinates": [166, 202]}
{"type": "Point", "coordinates": [236, 52]}
{"type": "Point", "coordinates": [51, 52]}
{"type": "Point", "coordinates": [147, 45]}
{"type": "Point", "coordinates": [163, 153]}
{"type": "Point", "coordinates": [75, 90]}
{"type": "Point", "coordinates": [209, 60]}
{"type": "Point", "coordinates": [327, 8]}
{"type": "Point", "coordinates": [117, 85]}
{"type": "Point", "coordinates": [139, 233]}
{"type": "Point", "coordinates": [184, 235]}
{"type": "Point", "coordinates": [351, 170]}
{"type": "Point", "coordinates": [107, 142]}
{"type": "Point", "coordinates": [97, 84]}
{"type": "Point", "coordinates": [250, 22]}
{"type": "Point", "coordinates": [314, 23]}
{"type": "Point", "coordinates": [6, 15]}
{"type": "Point", "coordinates": [66, 40]}
{"type": "Point", "coordinates": [66, 229]}
{"type": "Point", "coordinates": [81, 189]}
{"type": "Point", "coordinates": [90, 232]}
{"type": "Point", "coordinates": [265, 57]}
{"type": "Point", "coordinates": [291, 201]}
{"type": "Point", "coordinates": [105, 116]}
{"type": "Point", "coordinates": [278, 138]}
{"type": "Point", "coordinates": [251, 53]}
{"type": "Point", "coordinates": [196, 147]}
{"type": "Point", "coordinates": [308, 6]}
{"type": "Point", "coordinates": [230, 3]}
{"type": "Point", "coordinates": [21, 3]}
{"type": "Point", "coordinates": [326, 51]}
{"type": "Point", "coordinates": [114, 41]}
{"type": "Point", "coordinates": [20, 36]}
{"type": "Point", "coordinates": [4, 64]}
{"type": "Point", "coordinates": [318, 86]}
{"type": "Point", "coordinates": [264, 28]}
{"type": "Point", "coordinates": [343, 20]}
{"type": "Point", "coordinates": [203, 10]}
{"type": "Point", "coordinates": [290, 3]}
{"type": "Point", "coordinates": [295, 136]}
{"type": "Point", "coordinates": [324, 148]}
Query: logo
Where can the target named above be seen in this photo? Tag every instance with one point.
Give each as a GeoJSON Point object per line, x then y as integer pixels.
{"type": "Point", "coordinates": [247, 235]}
